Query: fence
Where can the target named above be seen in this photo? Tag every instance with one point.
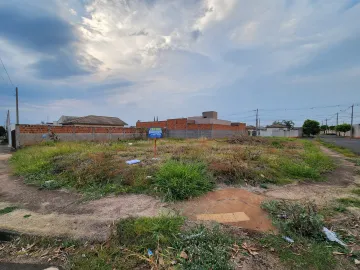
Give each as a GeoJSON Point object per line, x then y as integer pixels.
{"type": "Point", "coordinates": [32, 134]}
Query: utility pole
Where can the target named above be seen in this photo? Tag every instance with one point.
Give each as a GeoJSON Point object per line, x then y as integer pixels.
{"type": "Point", "coordinates": [326, 121]}
{"type": "Point", "coordinates": [337, 118]}
{"type": "Point", "coordinates": [257, 121]}
{"type": "Point", "coordinates": [352, 121]}
{"type": "Point", "coordinates": [17, 106]}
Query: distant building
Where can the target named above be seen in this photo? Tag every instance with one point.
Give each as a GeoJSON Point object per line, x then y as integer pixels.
{"type": "Point", "coordinates": [275, 131]}
{"type": "Point", "coordinates": [91, 120]}
{"type": "Point", "coordinates": [208, 125]}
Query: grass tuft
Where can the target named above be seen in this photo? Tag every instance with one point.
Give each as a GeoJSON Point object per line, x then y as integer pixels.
{"type": "Point", "coordinates": [353, 202]}
{"type": "Point", "coordinates": [296, 219]}
{"type": "Point", "coordinates": [148, 233]}
{"type": "Point", "coordinates": [178, 180]}
{"type": "Point", "coordinates": [7, 210]}
{"type": "Point", "coordinates": [207, 248]}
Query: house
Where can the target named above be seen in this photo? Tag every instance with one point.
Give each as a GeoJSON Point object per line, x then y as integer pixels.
{"type": "Point", "coordinates": [91, 120]}
{"type": "Point", "coordinates": [207, 125]}
{"type": "Point", "coordinates": [275, 131]}
{"type": "Point", "coordinates": [210, 117]}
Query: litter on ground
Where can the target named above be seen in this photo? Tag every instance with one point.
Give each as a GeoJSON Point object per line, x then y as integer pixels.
{"type": "Point", "coordinates": [133, 161]}
{"type": "Point", "coordinates": [332, 236]}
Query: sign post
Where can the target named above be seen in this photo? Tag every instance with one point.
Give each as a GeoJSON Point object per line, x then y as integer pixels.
{"type": "Point", "coordinates": [155, 133]}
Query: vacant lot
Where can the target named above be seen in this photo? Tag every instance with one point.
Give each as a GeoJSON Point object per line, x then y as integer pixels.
{"type": "Point", "coordinates": [191, 168]}
{"type": "Point", "coordinates": [184, 168]}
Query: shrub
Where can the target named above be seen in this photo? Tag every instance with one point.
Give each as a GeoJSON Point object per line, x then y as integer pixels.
{"type": "Point", "coordinates": [178, 180]}
{"type": "Point", "coordinates": [294, 218]}
{"type": "Point", "coordinates": [206, 248]}
{"type": "Point", "coordinates": [147, 233]}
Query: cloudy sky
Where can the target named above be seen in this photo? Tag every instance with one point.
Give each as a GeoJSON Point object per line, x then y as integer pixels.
{"type": "Point", "coordinates": [137, 59]}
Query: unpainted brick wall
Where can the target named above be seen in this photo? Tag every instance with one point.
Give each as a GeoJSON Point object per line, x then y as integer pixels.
{"type": "Point", "coordinates": [32, 134]}
{"type": "Point", "coordinates": [181, 128]}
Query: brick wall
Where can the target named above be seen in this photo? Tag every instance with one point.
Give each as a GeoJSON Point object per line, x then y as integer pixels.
{"type": "Point", "coordinates": [32, 134]}
{"type": "Point", "coordinates": [182, 128]}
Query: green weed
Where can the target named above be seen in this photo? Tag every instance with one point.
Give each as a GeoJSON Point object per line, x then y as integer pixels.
{"type": "Point", "coordinates": [207, 248]}
{"type": "Point", "coordinates": [178, 180]}
{"type": "Point", "coordinates": [303, 254]}
{"type": "Point", "coordinates": [356, 191]}
{"type": "Point", "coordinates": [7, 210]}
{"type": "Point", "coordinates": [342, 150]}
{"type": "Point", "coordinates": [148, 233]}
{"type": "Point", "coordinates": [296, 219]}
{"type": "Point", "coordinates": [353, 202]}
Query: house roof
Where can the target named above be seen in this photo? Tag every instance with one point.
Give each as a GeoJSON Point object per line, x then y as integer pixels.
{"type": "Point", "coordinates": [65, 118]}
{"type": "Point", "coordinates": [276, 126]}
{"type": "Point", "coordinates": [96, 120]}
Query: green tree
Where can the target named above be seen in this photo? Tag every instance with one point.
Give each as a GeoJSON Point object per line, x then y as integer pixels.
{"type": "Point", "coordinates": [288, 123]}
{"type": "Point", "coordinates": [343, 128]}
{"type": "Point", "coordinates": [324, 128]}
{"type": "Point", "coordinates": [277, 122]}
{"type": "Point", "coordinates": [2, 131]}
{"type": "Point", "coordinates": [332, 128]}
{"type": "Point", "coordinates": [311, 127]}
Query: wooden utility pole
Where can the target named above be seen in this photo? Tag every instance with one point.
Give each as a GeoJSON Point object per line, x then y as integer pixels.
{"type": "Point", "coordinates": [17, 106]}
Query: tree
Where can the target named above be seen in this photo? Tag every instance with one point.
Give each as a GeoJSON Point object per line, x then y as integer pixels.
{"type": "Point", "coordinates": [343, 128]}
{"type": "Point", "coordinates": [332, 128]}
{"type": "Point", "coordinates": [2, 131]}
{"type": "Point", "coordinates": [311, 127]}
{"type": "Point", "coordinates": [288, 123]}
{"type": "Point", "coordinates": [324, 128]}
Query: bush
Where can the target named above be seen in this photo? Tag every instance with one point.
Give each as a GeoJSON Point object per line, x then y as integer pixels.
{"type": "Point", "coordinates": [147, 233]}
{"type": "Point", "coordinates": [206, 248]}
{"type": "Point", "coordinates": [294, 218]}
{"type": "Point", "coordinates": [178, 180]}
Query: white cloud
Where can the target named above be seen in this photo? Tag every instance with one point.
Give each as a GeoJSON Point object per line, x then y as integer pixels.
{"type": "Point", "coordinates": [73, 12]}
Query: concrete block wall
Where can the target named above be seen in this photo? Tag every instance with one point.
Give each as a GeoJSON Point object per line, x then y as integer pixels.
{"type": "Point", "coordinates": [33, 134]}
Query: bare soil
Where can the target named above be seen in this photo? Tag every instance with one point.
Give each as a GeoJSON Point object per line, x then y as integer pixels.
{"type": "Point", "coordinates": [338, 183]}
{"type": "Point", "coordinates": [230, 200]}
{"type": "Point", "coordinates": [63, 213]}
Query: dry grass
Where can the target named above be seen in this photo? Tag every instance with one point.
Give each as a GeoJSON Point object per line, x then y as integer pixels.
{"type": "Point", "coordinates": [100, 168]}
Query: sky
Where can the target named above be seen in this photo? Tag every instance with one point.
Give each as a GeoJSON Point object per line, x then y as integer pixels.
{"type": "Point", "coordinates": [136, 59]}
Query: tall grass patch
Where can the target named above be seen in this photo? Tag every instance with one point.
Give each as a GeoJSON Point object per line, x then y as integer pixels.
{"type": "Point", "coordinates": [148, 233]}
{"type": "Point", "coordinates": [178, 180]}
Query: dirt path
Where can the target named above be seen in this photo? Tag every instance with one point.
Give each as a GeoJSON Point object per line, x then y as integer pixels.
{"type": "Point", "coordinates": [338, 183]}
{"type": "Point", "coordinates": [62, 213]}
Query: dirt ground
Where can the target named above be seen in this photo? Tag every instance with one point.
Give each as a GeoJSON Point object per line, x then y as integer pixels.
{"type": "Point", "coordinates": [337, 184]}
{"type": "Point", "coordinates": [228, 201]}
{"type": "Point", "coordinates": [62, 213]}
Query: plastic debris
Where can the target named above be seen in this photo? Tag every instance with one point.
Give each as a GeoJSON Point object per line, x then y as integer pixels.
{"type": "Point", "coordinates": [288, 239]}
{"type": "Point", "coordinates": [130, 143]}
{"type": "Point", "coordinates": [356, 261]}
{"type": "Point", "coordinates": [150, 253]}
{"type": "Point", "coordinates": [332, 236]}
{"type": "Point", "coordinates": [133, 161]}
{"type": "Point", "coordinates": [148, 177]}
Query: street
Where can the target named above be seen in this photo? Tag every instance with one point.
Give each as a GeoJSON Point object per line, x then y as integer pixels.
{"type": "Point", "coordinates": [352, 144]}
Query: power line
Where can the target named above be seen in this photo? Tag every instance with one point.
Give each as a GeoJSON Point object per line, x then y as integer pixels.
{"type": "Point", "coordinates": [6, 71]}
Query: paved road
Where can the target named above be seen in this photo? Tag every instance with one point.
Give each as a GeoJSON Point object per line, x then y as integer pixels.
{"type": "Point", "coordinates": [352, 144]}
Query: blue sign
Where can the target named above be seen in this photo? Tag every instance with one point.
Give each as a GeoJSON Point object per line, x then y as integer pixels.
{"type": "Point", "coordinates": [155, 133]}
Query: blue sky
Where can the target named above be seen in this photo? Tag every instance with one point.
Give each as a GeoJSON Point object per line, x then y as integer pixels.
{"type": "Point", "coordinates": [136, 59]}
